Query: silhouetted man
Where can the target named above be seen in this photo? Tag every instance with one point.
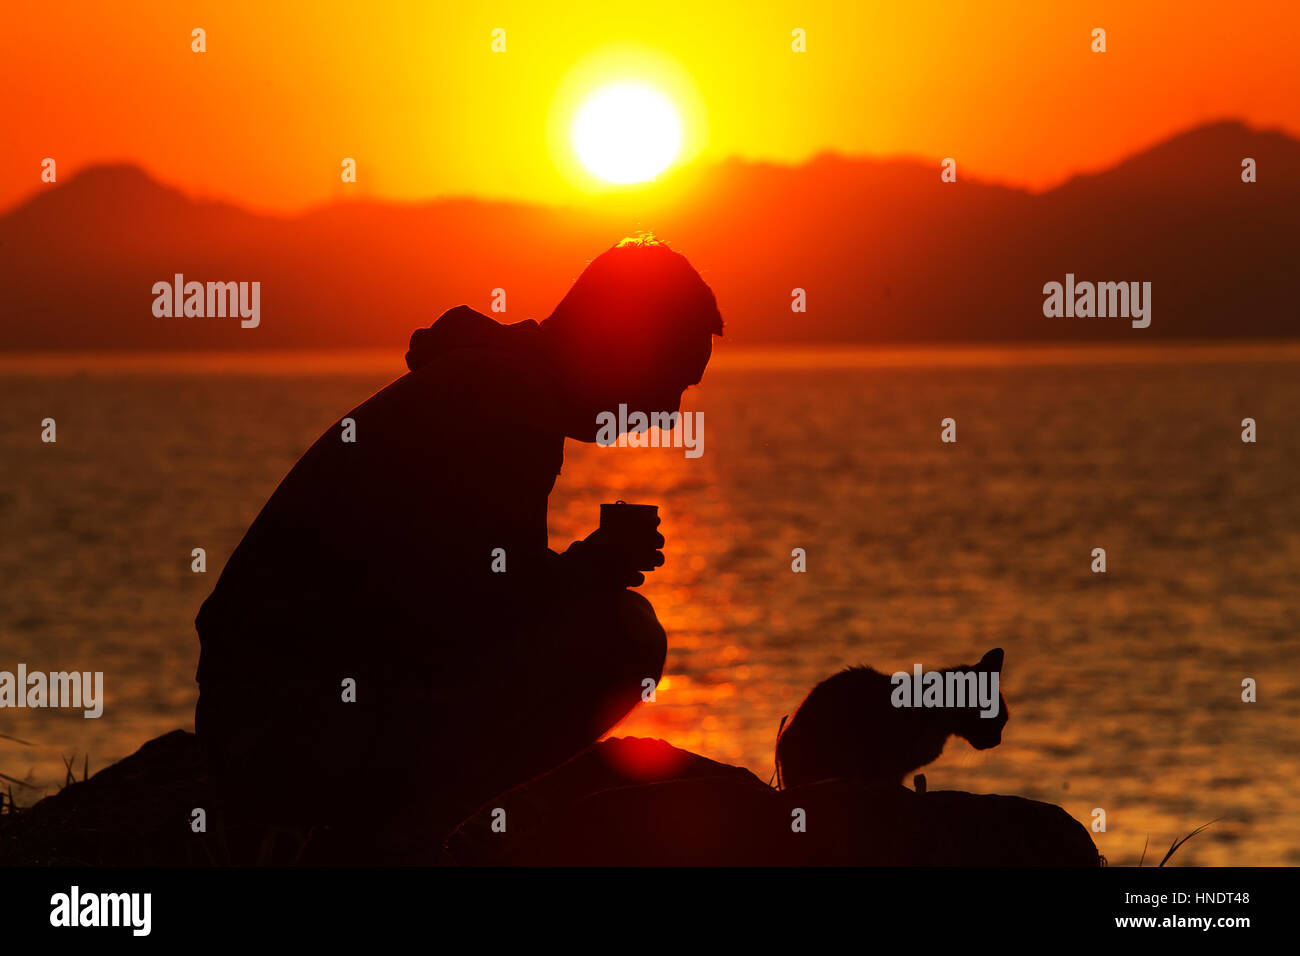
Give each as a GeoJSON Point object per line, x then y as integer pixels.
{"type": "Point", "coordinates": [363, 665]}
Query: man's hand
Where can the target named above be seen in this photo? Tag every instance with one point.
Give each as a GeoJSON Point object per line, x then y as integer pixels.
{"type": "Point", "coordinates": [615, 561]}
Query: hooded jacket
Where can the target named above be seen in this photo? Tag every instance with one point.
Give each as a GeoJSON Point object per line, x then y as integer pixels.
{"type": "Point", "coordinates": [374, 556]}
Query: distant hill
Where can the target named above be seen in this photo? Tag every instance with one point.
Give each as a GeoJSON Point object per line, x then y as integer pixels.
{"type": "Point", "coordinates": [885, 250]}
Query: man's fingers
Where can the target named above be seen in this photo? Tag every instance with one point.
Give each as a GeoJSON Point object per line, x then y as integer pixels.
{"type": "Point", "coordinates": [650, 561]}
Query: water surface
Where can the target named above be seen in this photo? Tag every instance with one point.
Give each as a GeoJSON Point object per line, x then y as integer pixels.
{"type": "Point", "coordinates": [1124, 688]}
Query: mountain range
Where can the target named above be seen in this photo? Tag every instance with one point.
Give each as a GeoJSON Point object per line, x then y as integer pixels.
{"type": "Point", "coordinates": [883, 248]}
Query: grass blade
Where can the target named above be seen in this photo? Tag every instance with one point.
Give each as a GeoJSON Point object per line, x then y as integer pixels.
{"type": "Point", "coordinates": [1177, 843]}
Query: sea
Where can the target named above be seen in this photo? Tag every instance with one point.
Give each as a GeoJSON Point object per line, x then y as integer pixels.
{"type": "Point", "coordinates": [1126, 688]}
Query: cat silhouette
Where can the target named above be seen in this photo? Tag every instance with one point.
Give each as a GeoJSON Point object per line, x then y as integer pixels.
{"type": "Point", "coordinates": [849, 726]}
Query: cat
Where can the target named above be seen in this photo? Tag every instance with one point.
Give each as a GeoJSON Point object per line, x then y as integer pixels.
{"type": "Point", "coordinates": [848, 727]}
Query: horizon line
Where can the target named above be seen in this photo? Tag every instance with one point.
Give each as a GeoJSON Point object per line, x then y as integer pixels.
{"type": "Point", "coordinates": [790, 355]}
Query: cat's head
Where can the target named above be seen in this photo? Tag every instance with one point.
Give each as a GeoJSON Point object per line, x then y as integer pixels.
{"type": "Point", "coordinates": [985, 732]}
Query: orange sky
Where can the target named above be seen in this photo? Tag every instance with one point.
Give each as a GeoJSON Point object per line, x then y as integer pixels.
{"type": "Point", "coordinates": [414, 92]}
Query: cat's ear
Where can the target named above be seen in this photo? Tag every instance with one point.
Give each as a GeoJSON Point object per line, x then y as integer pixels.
{"type": "Point", "coordinates": [992, 661]}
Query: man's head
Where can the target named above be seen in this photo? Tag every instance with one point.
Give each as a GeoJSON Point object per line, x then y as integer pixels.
{"type": "Point", "coordinates": [636, 329]}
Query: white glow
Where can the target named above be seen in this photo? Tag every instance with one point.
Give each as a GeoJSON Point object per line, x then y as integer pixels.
{"type": "Point", "coordinates": [627, 133]}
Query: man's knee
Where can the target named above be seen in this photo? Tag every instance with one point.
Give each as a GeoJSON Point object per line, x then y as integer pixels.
{"type": "Point", "coordinates": [610, 641]}
{"type": "Point", "coordinates": [638, 629]}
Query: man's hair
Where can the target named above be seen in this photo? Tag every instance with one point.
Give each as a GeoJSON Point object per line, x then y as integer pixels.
{"type": "Point", "coordinates": [642, 303]}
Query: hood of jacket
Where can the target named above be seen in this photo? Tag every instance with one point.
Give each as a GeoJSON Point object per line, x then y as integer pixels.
{"type": "Point", "coordinates": [462, 328]}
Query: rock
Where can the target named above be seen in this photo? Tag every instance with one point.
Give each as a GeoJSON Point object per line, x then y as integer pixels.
{"type": "Point", "coordinates": [621, 802]}
{"type": "Point", "coordinates": [533, 809]}
{"type": "Point", "coordinates": [135, 812]}
{"type": "Point", "coordinates": [695, 811]}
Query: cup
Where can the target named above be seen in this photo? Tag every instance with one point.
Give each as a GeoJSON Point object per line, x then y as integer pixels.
{"type": "Point", "coordinates": [630, 526]}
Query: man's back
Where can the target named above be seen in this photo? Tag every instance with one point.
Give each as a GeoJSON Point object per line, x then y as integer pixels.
{"type": "Point", "coordinates": [378, 550]}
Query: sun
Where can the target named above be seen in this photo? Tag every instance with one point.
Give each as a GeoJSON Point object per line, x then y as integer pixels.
{"type": "Point", "coordinates": [627, 132]}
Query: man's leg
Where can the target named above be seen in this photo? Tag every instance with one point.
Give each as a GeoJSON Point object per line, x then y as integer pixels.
{"type": "Point", "coordinates": [390, 780]}
{"type": "Point", "coordinates": [283, 758]}
{"type": "Point", "coordinates": [541, 698]}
